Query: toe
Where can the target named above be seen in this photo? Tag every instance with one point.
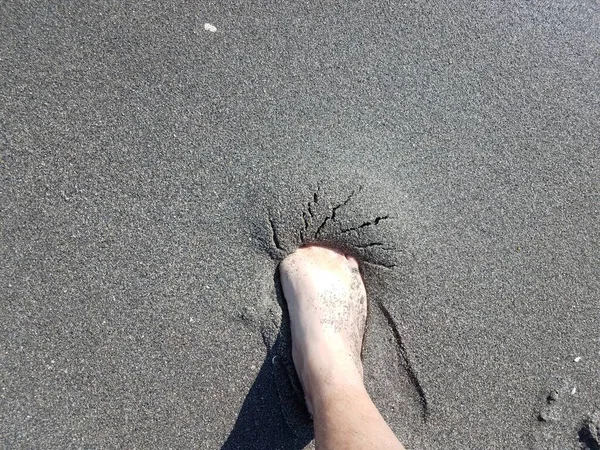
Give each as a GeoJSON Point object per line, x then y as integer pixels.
{"type": "Point", "coordinates": [352, 261]}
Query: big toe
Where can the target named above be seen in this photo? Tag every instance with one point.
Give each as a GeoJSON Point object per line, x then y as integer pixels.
{"type": "Point", "coordinates": [352, 262]}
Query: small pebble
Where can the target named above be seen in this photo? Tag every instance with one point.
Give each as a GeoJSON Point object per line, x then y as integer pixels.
{"type": "Point", "coordinates": [210, 27]}
{"type": "Point", "coordinates": [577, 359]}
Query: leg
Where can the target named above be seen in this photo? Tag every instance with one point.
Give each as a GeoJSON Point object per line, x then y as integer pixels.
{"type": "Point", "coordinates": [327, 303]}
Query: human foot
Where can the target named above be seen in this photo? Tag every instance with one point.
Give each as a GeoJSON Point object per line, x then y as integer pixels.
{"type": "Point", "coordinates": [327, 304]}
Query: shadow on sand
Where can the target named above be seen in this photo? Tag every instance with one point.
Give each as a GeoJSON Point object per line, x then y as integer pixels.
{"type": "Point", "coordinates": [261, 423]}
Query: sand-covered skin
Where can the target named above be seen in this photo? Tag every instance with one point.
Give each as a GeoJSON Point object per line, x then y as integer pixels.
{"type": "Point", "coordinates": [145, 163]}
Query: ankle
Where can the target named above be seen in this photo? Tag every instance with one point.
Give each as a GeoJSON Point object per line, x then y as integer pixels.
{"type": "Point", "coordinates": [325, 370]}
{"type": "Point", "coordinates": [341, 393]}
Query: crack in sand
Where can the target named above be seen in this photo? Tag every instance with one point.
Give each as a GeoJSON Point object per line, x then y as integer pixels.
{"type": "Point", "coordinates": [334, 212]}
{"type": "Point", "coordinates": [403, 354]}
{"type": "Point", "coordinates": [366, 224]}
{"type": "Point", "coordinates": [384, 265]}
{"type": "Point", "coordinates": [274, 236]}
{"type": "Point", "coordinates": [305, 218]}
{"type": "Point", "coordinates": [372, 244]}
{"type": "Point", "coordinates": [308, 218]}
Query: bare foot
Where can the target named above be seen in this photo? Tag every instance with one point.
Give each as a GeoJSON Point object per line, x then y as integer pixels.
{"type": "Point", "coordinates": [327, 303]}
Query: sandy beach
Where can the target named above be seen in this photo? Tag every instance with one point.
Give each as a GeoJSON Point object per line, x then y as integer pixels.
{"type": "Point", "coordinates": [158, 160]}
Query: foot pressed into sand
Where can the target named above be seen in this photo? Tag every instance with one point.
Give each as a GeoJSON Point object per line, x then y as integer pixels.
{"type": "Point", "coordinates": [327, 303]}
{"type": "Point", "coordinates": [328, 307]}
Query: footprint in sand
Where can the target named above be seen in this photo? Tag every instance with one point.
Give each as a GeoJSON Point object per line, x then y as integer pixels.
{"type": "Point", "coordinates": [589, 433]}
{"type": "Point", "coordinates": [552, 407]}
{"type": "Point", "coordinates": [557, 426]}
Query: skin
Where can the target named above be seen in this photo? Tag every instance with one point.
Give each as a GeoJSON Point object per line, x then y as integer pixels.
{"type": "Point", "coordinates": [327, 303]}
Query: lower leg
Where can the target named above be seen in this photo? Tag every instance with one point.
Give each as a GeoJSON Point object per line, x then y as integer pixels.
{"type": "Point", "coordinates": [346, 418]}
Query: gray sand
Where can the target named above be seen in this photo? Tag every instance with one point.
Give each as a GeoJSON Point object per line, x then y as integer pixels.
{"type": "Point", "coordinates": [145, 163]}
